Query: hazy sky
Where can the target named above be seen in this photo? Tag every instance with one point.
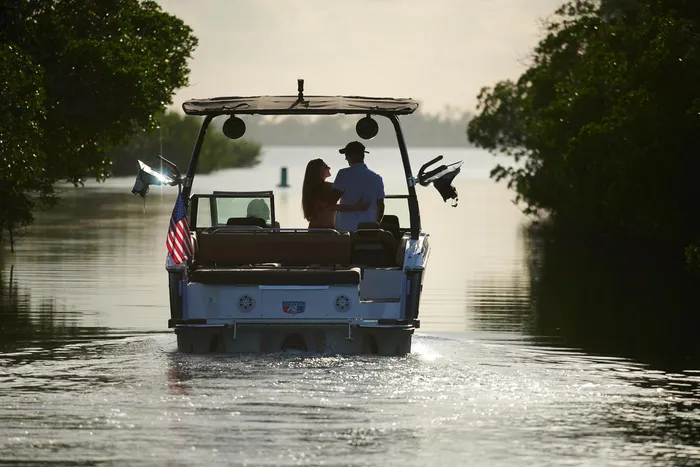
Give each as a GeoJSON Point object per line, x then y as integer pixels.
{"type": "Point", "coordinates": [440, 52]}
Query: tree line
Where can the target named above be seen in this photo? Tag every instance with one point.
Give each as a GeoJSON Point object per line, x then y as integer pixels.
{"type": "Point", "coordinates": [173, 138]}
{"type": "Point", "coordinates": [605, 121]}
{"type": "Point", "coordinates": [77, 78]}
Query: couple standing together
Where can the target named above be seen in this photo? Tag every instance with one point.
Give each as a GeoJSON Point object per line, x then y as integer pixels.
{"type": "Point", "coordinates": [360, 191]}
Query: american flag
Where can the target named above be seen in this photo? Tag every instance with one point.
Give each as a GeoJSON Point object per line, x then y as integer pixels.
{"type": "Point", "coordinates": [179, 242]}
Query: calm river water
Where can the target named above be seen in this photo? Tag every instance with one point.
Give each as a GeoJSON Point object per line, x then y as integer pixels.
{"type": "Point", "coordinates": [531, 352]}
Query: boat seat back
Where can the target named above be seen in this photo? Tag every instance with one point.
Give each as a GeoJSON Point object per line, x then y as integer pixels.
{"type": "Point", "coordinates": [244, 227]}
{"type": "Point", "coordinates": [372, 247]}
{"type": "Point", "coordinates": [276, 277]}
{"type": "Point", "coordinates": [390, 223]}
{"type": "Point", "coordinates": [233, 247]}
{"type": "Point", "coordinates": [246, 221]}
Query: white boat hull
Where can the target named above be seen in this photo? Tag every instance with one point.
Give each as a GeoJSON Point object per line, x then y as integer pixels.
{"type": "Point", "coordinates": [223, 313]}
{"type": "Point", "coordinates": [314, 338]}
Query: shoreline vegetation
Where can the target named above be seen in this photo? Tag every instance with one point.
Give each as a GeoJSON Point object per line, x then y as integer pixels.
{"type": "Point", "coordinates": [605, 119]}
{"type": "Point", "coordinates": [76, 85]}
{"type": "Point", "coordinates": [173, 137]}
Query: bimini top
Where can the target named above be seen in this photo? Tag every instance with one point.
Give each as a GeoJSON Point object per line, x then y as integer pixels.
{"type": "Point", "coordinates": [299, 105]}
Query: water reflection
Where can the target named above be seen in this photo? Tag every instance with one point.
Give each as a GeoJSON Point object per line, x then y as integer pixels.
{"type": "Point", "coordinates": [66, 280]}
{"type": "Point", "coordinates": [615, 307]}
{"type": "Point", "coordinates": [99, 259]}
{"type": "Point", "coordinates": [670, 423]}
{"type": "Point", "coordinates": [25, 323]}
{"type": "Point", "coordinates": [606, 302]}
{"type": "Point", "coordinates": [616, 302]}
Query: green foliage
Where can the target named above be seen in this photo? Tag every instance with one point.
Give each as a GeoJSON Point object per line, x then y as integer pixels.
{"type": "Point", "coordinates": [81, 76]}
{"type": "Point", "coordinates": [692, 257]}
{"type": "Point", "coordinates": [21, 157]}
{"type": "Point", "coordinates": [605, 120]}
{"type": "Point", "coordinates": [107, 71]}
{"type": "Point", "coordinates": [179, 133]}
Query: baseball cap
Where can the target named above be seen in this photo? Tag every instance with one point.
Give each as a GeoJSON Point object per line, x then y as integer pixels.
{"type": "Point", "coordinates": [353, 147]}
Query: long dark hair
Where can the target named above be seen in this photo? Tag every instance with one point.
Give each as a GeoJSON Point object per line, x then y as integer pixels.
{"type": "Point", "coordinates": [312, 186]}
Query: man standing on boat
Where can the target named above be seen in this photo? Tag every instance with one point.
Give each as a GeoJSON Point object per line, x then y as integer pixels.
{"type": "Point", "coordinates": [355, 183]}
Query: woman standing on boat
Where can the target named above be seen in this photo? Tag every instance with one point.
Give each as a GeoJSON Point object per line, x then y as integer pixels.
{"type": "Point", "coordinates": [318, 200]}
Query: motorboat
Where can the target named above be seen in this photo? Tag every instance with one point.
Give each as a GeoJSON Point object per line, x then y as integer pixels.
{"type": "Point", "coordinates": [246, 284]}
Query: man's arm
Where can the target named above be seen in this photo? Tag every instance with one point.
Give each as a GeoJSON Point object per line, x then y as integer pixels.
{"type": "Point", "coordinates": [380, 210]}
{"type": "Point", "coordinates": [380, 200]}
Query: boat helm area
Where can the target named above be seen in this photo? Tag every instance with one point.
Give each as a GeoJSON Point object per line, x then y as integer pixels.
{"type": "Point", "coordinates": [441, 177]}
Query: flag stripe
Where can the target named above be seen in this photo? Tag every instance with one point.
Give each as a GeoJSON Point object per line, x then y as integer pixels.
{"type": "Point", "coordinates": [178, 241]}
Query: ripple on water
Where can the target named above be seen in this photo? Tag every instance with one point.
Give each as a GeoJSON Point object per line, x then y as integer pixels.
{"type": "Point", "coordinates": [457, 395]}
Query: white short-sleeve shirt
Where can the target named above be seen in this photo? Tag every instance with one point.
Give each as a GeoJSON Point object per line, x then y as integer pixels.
{"type": "Point", "coordinates": [357, 182]}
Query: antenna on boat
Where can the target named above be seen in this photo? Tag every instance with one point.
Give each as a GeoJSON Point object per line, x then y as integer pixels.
{"type": "Point", "coordinates": [300, 88]}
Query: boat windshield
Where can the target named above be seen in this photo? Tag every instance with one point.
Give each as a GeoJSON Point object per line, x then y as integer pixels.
{"type": "Point", "coordinates": [213, 210]}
